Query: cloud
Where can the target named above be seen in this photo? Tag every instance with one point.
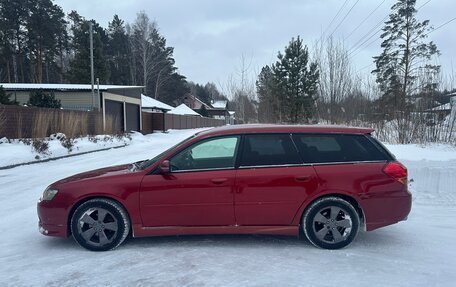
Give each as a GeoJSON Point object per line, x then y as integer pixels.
{"type": "Point", "coordinates": [210, 37]}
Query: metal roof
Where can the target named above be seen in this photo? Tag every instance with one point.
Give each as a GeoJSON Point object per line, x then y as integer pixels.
{"type": "Point", "coordinates": [63, 87]}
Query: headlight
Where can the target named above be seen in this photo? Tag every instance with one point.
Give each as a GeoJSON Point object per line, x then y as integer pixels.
{"type": "Point", "coordinates": [49, 194]}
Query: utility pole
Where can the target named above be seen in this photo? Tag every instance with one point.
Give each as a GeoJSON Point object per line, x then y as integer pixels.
{"type": "Point", "coordinates": [98, 93]}
{"type": "Point", "coordinates": [91, 64]}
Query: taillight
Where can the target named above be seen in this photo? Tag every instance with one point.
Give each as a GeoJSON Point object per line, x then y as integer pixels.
{"type": "Point", "coordinates": [397, 171]}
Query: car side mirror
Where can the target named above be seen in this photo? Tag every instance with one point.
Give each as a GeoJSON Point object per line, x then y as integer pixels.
{"type": "Point", "coordinates": [165, 166]}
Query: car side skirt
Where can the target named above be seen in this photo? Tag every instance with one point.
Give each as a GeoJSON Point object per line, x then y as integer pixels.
{"type": "Point", "coordinates": [140, 231]}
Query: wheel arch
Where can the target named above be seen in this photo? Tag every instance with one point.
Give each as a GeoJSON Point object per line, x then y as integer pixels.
{"type": "Point", "coordinates": [85, 199]}
{"type": "Point", "coordinates": [349, 198]}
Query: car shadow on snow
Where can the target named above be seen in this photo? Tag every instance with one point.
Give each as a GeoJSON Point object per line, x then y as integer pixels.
{"type": "Point", "coordinates": [238, 241]}
{"type": "Point", "coordinates": [375, 239]}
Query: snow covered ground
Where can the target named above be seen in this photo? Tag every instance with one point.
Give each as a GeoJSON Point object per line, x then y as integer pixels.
{"type": "Point", "coordinates": [22, 151]}
{"type": "Point", "coordinates": [417, 252]}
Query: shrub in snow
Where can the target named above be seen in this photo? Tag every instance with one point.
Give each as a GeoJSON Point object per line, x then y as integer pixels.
{"type": "Point", "coordinates": [40, 146]}
{"type": "Point", "coordinates": [26, 141]}
{"type": "Point", "coordinates": [4, 140]}
{"type": "Point", "coordinates": [68, 143]}
{"type": "Point", "coordinates": [58, 136]}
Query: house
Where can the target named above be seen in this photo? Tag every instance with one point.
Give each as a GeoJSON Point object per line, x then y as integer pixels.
{"type": "Point", "coordinates": [120, 105]}
{"type": "Point", "coordinates": [194, 103]}
{"type": "Point", "coordinates": [217, 109]}
{"type": "Point", "coordinates": [183, 109]}
{"type": "Point", "coordinates": [149, 104]}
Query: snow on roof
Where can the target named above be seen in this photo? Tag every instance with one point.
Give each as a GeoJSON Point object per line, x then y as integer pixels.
{"type": "Point", "coordinates": [445, 107]}
{"type": "Point", "coordinates": [22, 86]}
{"type": "Point", "coordinates": [183, 110]}
{"type": "Point", "coordinates": [148, 102]}
{"type": "Point", "coordinates": [219, 104]}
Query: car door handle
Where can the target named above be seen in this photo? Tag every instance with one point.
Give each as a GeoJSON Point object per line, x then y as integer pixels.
{"type": "Point", "coordinates": [303, 178]}
{"type": "Point", "coordinates": [219, 180]}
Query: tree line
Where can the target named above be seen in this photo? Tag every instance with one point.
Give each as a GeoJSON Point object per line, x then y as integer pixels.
{"type": "Point", "coordinates": [399, 100]}
{"type": "Point", "coordinates": [39, 43]}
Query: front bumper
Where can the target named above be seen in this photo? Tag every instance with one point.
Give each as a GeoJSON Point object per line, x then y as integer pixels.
{"type": "Point", "coordinates": [52, 220]}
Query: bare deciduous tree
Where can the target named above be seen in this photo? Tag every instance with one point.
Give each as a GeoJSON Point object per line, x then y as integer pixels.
{"type": "Point", "coordinates": [336, 77]}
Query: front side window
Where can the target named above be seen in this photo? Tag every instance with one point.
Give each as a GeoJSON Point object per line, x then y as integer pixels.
{"type": "Point", "coordinates": [267, 150]}
{"type": "Point", "coordinates": [209, 154]}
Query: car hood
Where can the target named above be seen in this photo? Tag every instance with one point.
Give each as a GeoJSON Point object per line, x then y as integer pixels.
{"type": "Point", "coordinates": [97, 173]}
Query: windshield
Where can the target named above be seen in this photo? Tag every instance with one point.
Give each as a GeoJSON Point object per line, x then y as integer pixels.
{"type": "Point", "coordinates": [149, 162]}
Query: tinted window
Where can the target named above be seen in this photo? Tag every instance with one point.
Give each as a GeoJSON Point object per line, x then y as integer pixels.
{"type": "Point", "coordinates": [215, 153]}
{"type": "Point", "coordinates": [337, 148]}
{"type": "Point", "coordinates": [274, 149]}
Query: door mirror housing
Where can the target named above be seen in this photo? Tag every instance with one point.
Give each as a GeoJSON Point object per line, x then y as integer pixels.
{"type": "Point", "coordinates": [165, 166]}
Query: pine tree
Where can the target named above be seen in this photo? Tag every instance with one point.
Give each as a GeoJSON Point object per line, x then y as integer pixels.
{"type": "Point", "coordinates": [296, 82]}
{"type": "Point", "coordinates": [45, 26]}
{"type": "Point", "coordinates": [174, 90]}
{"type": "Point", "coordinates": [42, 99]}
{"type": "Point", "coordinates": [117, 52]}
{"type": "Point", "coordinates": [13, 15]}
{"type": "Point", "coordinates": [405, 54]}
{"type": "Point", "coordinates": [268, 105]}
{"type": "Point", "coordinates": [79, 71]}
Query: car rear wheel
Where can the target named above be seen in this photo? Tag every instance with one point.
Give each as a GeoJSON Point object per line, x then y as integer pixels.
{"type": "Point", "coordinates": [100, 224]}
{"type": "Point", "coordinates": [330, 223]}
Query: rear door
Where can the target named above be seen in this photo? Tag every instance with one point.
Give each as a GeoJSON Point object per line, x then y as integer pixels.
{"type": "Point", "coordinates": [271, 181]}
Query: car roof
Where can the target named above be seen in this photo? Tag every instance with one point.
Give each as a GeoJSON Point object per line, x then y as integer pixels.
{"type": "Point", "coordinates": [269, 128]}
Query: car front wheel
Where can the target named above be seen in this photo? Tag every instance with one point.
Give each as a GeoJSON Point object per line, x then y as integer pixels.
{"type": "Point", "coordinates": [100, 224]}
{"type": "Point", "coordinates": [330, 223]}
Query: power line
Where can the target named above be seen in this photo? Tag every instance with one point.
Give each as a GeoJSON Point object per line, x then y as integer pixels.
{"type": "Point", "coordinates": [334, 18]}
{"type": "Point", "coordinates": [422, 5]}
{"type": "Point", "coordinates": [362, 40]}
{"type": "Point", "coordinates": [365, 19]}
{"type": "Point", "coordinates": [357, 51]}
{"type": "Point", "coordinates": [444, 24]}
{"type": "Point", "coordinates": [345, 17]}
{"type": "Point", "coordinates": [358, 45]}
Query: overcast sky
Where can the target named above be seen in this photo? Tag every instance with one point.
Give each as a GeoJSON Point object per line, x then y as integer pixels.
{"type": "Point", "coordinates": [210, 37]}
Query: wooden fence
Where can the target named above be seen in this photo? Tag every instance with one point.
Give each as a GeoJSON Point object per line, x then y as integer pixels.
{"type": "Point", "coordinates": [154, 122]}
{"type": "Point", "coordinates": [29, 122]}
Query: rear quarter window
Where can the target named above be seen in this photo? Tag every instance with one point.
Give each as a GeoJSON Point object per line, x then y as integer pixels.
{"type": "Point", "coordinates": [327, 148]}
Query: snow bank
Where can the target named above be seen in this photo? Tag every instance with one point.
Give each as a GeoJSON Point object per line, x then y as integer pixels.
{"type": "Point", "coordinates": [431, 152]}
{"type": "Point", "coordinates": [22, 151]}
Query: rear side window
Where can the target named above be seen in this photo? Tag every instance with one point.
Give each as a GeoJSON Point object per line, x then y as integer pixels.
{"type": "Point", "coordinates": [337, 148]}
{"type": "Point", "coordinates": [270, 149]}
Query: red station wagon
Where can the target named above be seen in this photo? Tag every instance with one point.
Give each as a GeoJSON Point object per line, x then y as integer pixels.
{"type": "Point", "coordinates": [324, 182]}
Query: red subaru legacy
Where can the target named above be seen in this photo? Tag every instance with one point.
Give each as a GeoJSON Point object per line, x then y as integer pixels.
{"type": "Point", "coordinates": [323, 182]}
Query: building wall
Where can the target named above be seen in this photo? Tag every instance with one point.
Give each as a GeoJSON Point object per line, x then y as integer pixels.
{"type": "Point", "coordinates": [72, 100]}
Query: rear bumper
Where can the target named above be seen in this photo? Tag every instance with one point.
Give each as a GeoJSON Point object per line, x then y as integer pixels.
{"type": "Point", "coordinates": [386, 210]}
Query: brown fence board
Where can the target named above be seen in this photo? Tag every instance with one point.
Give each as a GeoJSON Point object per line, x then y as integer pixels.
{"type": "Point", "coordinates": [28, 122]}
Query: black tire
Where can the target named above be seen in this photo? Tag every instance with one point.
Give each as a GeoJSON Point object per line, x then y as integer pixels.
{"type": "Point", "coordinates": [100, 224]}
{"type": "Point", "coordinates": [330, 223]}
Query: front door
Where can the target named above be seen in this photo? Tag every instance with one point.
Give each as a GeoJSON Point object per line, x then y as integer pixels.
{"type": "Point", "coordinates": [199, 189]}
{"type": "Point", "coordinates": [271, 182]}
